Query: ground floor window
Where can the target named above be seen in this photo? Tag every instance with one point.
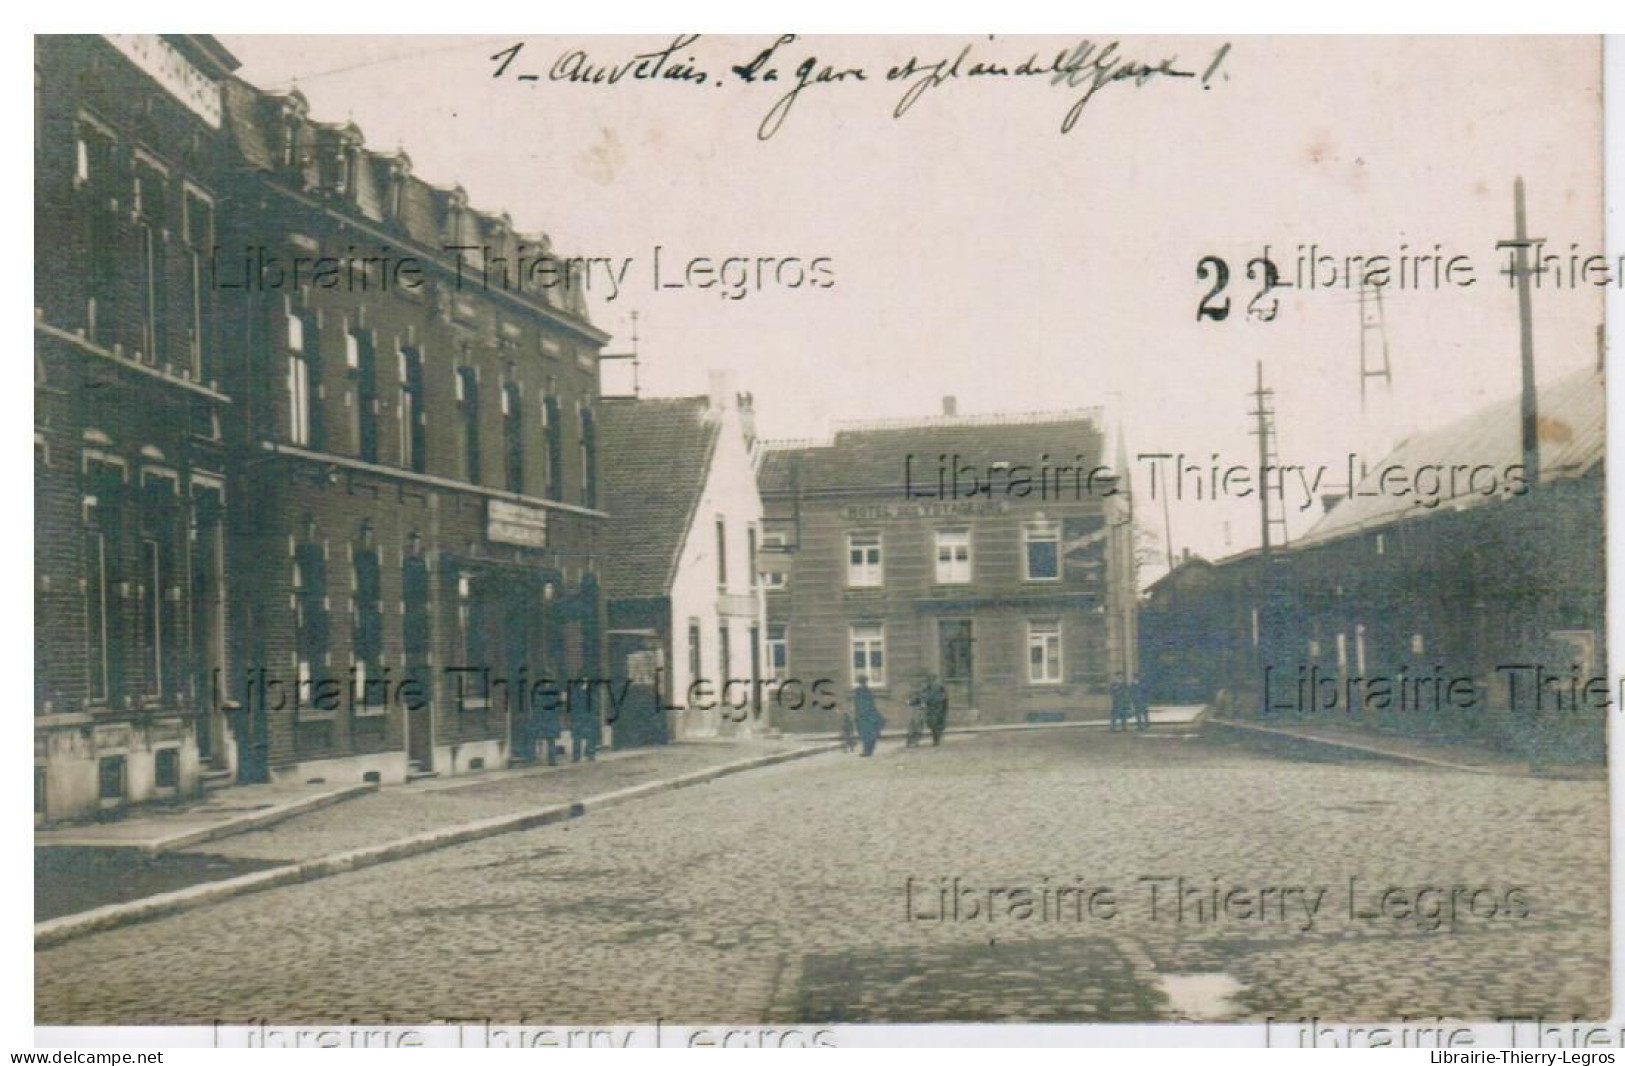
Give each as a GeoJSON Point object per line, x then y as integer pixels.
{"type": "Point", "coordinates": [1044, 652]}
{"type": "Point", "coordinates": [778, 651]}
{"type": "Point", "coordinates": [166, 767]}
{"type": "Point", "coordinates": [869, 653]}
{"type": "Point", "coordinates": [111, 774]}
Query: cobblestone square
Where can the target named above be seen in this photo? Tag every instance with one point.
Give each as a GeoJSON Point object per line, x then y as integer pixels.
{"type": "Point", "coordinates": [814, 891]}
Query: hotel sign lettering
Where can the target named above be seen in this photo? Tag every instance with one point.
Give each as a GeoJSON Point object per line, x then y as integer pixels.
{"type": "Point", "coordinates": [944, 509]}
{"type": "Point", "coordinates": [514, 523]}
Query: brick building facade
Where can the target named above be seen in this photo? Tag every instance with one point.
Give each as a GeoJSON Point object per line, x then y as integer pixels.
{"type": "Point", "coordinates": [130, 464]}
{"type": "Point", "coordinates": [420, 464]}
{"type": "Point", "coordinates": [296, 515]}
{"type": "Point", "coordinates": [993, 551]}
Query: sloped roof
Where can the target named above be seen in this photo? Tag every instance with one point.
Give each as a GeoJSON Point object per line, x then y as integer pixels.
{"type": "Point", "coordinates": [869, 456]}
{"type": "Point", "coordinates": [1570, 433]}
{"type": "Point", "coordinates": [660, 452]}
{"type": "Point", "coordinates": [431, 215]}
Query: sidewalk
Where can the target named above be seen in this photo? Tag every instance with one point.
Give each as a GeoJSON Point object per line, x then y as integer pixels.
{"type": "Point", "coordinates": [1456, 755]}
{"type": "Point", "coordinates": [398, 811]}
{"type": "Point", "coordinates": [168, 827]}
{"type": "Point", "coordinates": [81, 888]}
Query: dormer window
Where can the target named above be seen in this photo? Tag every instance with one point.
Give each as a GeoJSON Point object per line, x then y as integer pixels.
{"type": "Point", "coordinates": [400, 170]}
{"type": "Point", "coordinates": [290, 142]}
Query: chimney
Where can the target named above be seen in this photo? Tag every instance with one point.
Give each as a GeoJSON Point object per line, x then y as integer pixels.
{"type": "Point", "coordinates": [721, 385]}
{"type": "Point", "coordinates": [950, 406]}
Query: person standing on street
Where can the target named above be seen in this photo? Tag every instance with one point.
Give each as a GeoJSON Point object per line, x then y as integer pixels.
{"type": "Point", "coordinates": [584, 728]}
{"type": "Point", "coordinates": [1120, 703]}
{"type": "Point", "coordinates": [869, 720]}
{"type": "Point", "coordinates": [935, 699]}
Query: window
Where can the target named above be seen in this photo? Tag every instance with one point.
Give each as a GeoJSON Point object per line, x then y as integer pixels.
{"type": "Point", "coordinates": [773, 543]}
{"type": "Point", "coordinates": [555, 448]}
{"type": "Point", "coordinates": [722, 553]}
{"type": "Point", "coordinates": [1044, 652]}
{"type": "Point", "coordinates": [166, 768]}
{"type": "Point", "coordinates": [863, 568]}
{"type": "Point", "coordinates": [152, 614]}
{"type": "Point", "coordinates": [414, 454]}
{"type": "Point", "coordinates": [291, 155]}
{"type": "Point", "coordinates": [1043, 554]}
{"type": "Point", "coordinates": [110, 772]}
{"type": "Point", "coordinates": [953, 556]}
{"type": "Point", "coordinates": [415, 610]}
{"type": "Point", "coordinates": [149, 291]}
{"type": "Point", "coordinates": [304, 380]}
{"type": "Point", "coordinates": [93, 173]}
{"type": "Point", "coordinates": [778, 651]}
{"type": "Point", "coordinates": [160, 587]}
{"type": "Point", "coordinates": [750, 553]}
{"type": "Point", "coordinates": [956, 649]}
{"type": "Point", "coordinates": [149, 193]}
{"type": "Point", "coordinates": [207, 645]}
{"type": "Point", "coordinates": [468, 407]}
{"type": "Point", "coordinates": [198, 230]}
{"type": "Point", "coordinates": [310, 615]}
{"type": "Point", "coordinates": [362, 360]}
{"type": "Point", "coordinates": [513, 437]}
{"type": "Point", "coordinates": [98, 615]}
{"type": "Point", "coordinates": [694, 667]}
{"type": "Point", "coordinates": [471, 620]}
{"type": "Point", "coordinates": [724, 655]}
{"type": "Point", "coordinates": [589, 459]}
{"type": "Point", "coordinates": [104, 494]}
{"type": "Point", "coordinates": [368, 609]}
{"type": "Point", "coordinates": [869, 653]}
{"type": "Point", "coordinates": [756, 670]}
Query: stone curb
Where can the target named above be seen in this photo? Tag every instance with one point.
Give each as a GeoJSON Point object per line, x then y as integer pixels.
{"type": "Point", "coordinates": [71, 926]}
{"type": "Point", "coordinates": [1006, 727]}
{"type": "Point", "coordinates": [1368, 749]}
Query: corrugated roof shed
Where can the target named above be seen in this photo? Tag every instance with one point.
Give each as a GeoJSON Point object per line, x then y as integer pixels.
{"type": "Point", "coordinates": [1571, 415]}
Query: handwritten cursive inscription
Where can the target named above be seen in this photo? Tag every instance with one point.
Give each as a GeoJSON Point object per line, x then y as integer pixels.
{"type": "Point", "coordinates": [1089, 65]}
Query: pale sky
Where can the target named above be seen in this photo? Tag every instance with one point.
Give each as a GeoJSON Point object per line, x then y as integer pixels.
{"type": "Point", "coordinates": [978, 251]}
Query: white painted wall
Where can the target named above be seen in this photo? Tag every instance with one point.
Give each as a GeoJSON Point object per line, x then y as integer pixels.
{"type": "Point", "coordinates": [730, 492]}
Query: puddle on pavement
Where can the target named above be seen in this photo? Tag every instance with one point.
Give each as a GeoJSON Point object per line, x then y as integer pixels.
{"type": "Point", "coordinates": [1200, 997]}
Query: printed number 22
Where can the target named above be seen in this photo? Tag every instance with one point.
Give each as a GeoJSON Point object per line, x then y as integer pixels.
{"type": "Point", "coordinates": [1211, 306]}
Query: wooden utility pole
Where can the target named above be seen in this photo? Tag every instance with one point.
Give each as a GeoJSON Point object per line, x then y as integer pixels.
{"type": "Point", "coordinates": [1521, 273]}
{"type": "Point", "coordinates": [1264, 414]}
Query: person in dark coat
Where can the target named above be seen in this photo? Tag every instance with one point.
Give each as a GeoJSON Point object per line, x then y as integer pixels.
{"type": "Point", "coordinates": [1120, 704]}
{"type": "Point", "coordinates": [1142, 710]}
{"type": "Point", "coordinates": [550, 724]}
{"type": "Point", "coordinates": [935, 700]}
{"type": "Point", "coordinates": [868, 716]}
{"type": "Point", "coordinates": [584, 727]}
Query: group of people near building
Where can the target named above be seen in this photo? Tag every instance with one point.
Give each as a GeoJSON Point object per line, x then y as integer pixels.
{"type": "Point", "coordinates": [1128, 701]}
{"type": "Point", "coordinates": [863, 724]}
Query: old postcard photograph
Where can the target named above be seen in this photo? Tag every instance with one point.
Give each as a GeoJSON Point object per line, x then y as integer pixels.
{"type": "Point", "coordinates": [790, 540]}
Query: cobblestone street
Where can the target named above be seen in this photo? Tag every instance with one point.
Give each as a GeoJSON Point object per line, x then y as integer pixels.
{"type": "Point", "coordinates": [824, 890]}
